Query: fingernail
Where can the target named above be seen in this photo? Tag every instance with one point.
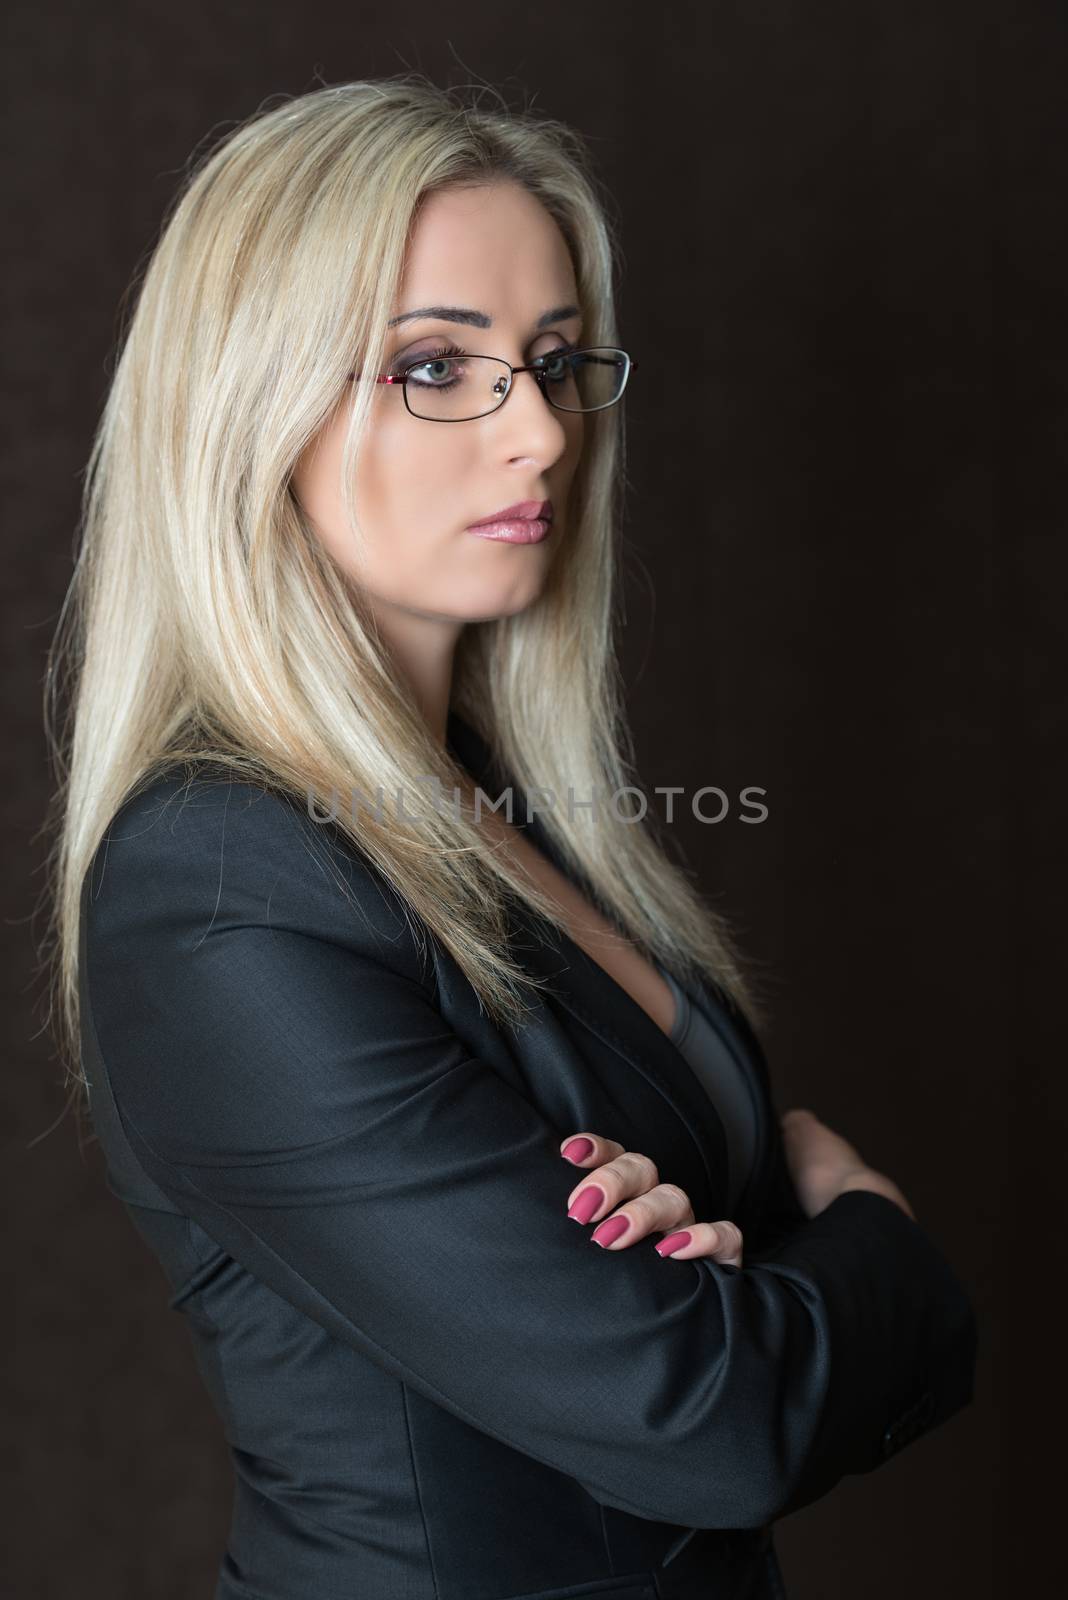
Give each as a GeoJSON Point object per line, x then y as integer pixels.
{"type": "Point", "coordinates": [610, 1230]}
{"type": "Point", "coordinates": [577, 1149]}
{"type": "Point", "coordinates": [673, 1242]}
{"type": "Point", "coordinates": [589, 1201]}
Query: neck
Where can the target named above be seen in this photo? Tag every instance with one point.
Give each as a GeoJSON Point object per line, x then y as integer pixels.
{"type": "Point", "coordinates": [423, 648]}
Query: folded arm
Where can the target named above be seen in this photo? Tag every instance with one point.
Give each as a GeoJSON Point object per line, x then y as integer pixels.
{"type": "Point", "coordinates": [284, 1075]}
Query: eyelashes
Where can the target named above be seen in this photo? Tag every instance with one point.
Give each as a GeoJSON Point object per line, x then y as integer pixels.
{"type": "Point", "coordinates": [447, 348]}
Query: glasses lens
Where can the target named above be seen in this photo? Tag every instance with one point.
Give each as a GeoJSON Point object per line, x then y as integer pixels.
{"type": "Point", "coordinates": [460, 388]}
{"type": "Point", "coordinates": [456, 388]}
{"type": "Point", "coordinates": [586, 380]}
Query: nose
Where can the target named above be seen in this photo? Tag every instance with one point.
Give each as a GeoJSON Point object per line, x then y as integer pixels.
{"type": "Point", "coordinates": [527, 425]}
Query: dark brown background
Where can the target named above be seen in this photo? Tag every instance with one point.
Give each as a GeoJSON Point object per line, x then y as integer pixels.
{"type": "Point", "coordinates": [844, 281]}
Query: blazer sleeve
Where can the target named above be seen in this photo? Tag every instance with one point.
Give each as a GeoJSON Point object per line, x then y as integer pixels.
{"type": "Point", "coordinates": [284, 1075]}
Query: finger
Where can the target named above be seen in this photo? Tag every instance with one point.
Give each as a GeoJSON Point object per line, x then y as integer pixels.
{"type": "Point", "coordinates": [663, 1206]}
{"type": "Point", "coordinates": [607, 1186]}
{"type": "Point", "coordinates": [720, 1240]}
{"type": "Point", "coordinates": [589, 1150]}
{"type": "Point", "coordinates": [795, 1119]}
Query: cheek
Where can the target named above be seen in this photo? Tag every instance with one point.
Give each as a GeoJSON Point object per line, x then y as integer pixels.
{"type": "Point", "coordinates": [409, 496]}
{"type": "Point", "coordinates": [407, 465]}
{"type": "Point", "coordinates": [417, 485]}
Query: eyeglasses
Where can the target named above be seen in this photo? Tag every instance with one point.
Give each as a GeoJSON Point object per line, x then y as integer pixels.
{"type": "Point", "coordinates": [456, 387]}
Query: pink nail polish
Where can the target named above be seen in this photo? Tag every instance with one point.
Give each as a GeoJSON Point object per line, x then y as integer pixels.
{"type": "Point", "coordinates": [610, 1230]}
{"type": "Point", "coordinates": [589, 1201]}
{"type": "Point", "coordinates": [577, 1149]}
{"type": "Point", "coordinates": [673, 1242]}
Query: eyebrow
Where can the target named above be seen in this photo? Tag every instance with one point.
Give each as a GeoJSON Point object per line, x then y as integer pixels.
{"type": "Point", "coordinates": [479, 319]}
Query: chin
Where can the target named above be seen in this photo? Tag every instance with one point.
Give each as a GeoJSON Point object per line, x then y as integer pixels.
{"type": "Point", "coordinates": [508, 602]}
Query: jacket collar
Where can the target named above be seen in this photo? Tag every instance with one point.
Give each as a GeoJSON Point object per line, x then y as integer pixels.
{"type": "Point", "coordinates": [593, 996]}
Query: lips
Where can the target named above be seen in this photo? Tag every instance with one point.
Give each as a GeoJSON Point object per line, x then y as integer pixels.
{"type": "Point", "coordinates": [526, 510]}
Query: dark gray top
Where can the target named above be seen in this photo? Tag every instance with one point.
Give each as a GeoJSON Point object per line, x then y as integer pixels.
{"type": "Point", "coordinates": [719, 1074]}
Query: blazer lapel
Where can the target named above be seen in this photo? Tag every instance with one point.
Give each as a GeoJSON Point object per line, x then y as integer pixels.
{"type": "Point", "coordinates": [592, 996]}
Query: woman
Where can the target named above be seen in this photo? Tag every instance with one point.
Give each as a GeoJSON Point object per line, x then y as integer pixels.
{"type": "Point", "coordinates": [347, 575]}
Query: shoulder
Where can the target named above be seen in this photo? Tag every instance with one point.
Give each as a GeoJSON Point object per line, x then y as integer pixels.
{"type": "Point", "coordinates": [196, 851]}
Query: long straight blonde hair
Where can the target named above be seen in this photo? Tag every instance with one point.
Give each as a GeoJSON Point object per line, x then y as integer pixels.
{"type": "Point", "coordinates": [205, 620]}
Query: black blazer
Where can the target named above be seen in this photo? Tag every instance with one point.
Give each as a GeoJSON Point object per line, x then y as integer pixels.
{"type": "Point", "coordinates": [434, 1385]}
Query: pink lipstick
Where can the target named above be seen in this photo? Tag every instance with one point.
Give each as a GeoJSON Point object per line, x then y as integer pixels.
{"type": "Point", "coordinates": [526, 522]}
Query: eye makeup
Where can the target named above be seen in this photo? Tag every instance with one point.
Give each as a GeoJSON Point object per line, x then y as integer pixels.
{"type": "Point", "coordinates": [413, 357]}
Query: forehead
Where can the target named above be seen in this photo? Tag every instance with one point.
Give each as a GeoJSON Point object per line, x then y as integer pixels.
{"type": "Point", "coordinates": [494, 248]}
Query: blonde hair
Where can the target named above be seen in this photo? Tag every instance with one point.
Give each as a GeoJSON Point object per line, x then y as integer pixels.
{"type": "Point", "coordinates": [205, 619]}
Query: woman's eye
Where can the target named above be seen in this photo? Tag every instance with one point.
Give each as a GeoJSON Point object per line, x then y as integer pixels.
{"type": "Point", "coordinates": [436, 369]}
{"type": "Point", "coordinates": [436, 373]}
{"type": "Point", "coordinates": [444, 368]}
{"type": "Point", "coordinates": [558, 363]}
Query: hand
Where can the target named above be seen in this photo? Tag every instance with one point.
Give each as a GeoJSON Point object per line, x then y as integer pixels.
{"type": "Point", "coordinates": [624, 1175]}
{"type": "Point", "coordinates": [823, 1165]}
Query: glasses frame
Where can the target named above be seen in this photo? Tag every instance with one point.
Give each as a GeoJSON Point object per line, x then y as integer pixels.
{"type": "Point", "coordinates": [536, 368]}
